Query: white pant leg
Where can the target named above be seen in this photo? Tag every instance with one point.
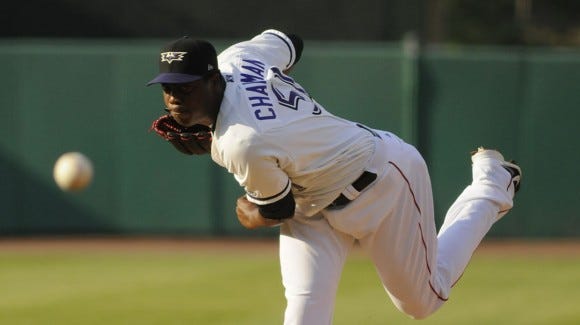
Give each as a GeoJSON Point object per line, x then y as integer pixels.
{"type": "Point", "coordinates": [394, 221]}
{"type": "Point", "coordinates": [312, 256]}
{"type": "Point", "coordinates": [403, 246]}
{"type": "Point", "coordinates": [480, 205]}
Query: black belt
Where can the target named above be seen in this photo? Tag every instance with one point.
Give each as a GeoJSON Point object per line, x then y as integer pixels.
{"type": "Point", "coordinates": [360, 184]}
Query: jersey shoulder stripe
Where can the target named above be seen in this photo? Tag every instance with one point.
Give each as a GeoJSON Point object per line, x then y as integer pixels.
{"type": "Point", "coordinates": [290, 47]}
{"type": "Point", "coordinates": [270, 199]}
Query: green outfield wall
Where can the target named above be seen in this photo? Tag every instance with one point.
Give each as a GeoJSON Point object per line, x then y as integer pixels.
{"type": "Point", "coordinates": [90, 96]}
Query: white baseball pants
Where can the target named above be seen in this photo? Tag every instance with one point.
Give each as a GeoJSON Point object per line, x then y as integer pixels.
{"type": "Point", "coordinates": [393, 221]}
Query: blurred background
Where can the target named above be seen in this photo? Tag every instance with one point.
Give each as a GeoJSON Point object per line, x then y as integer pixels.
{"type": "Point", "coordinates": [500, 22]}
{"type": "Point", "coordinates": [446, 75]}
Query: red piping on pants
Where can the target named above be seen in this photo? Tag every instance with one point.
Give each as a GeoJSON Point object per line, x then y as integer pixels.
{"type": "Point", "coordinates": [420, 230]}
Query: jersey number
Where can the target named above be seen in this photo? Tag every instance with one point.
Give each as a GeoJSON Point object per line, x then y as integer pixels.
{"type": "Point", "coordinates": [293, 97]}
{"type": "Point", "coordinates": [289, 97]}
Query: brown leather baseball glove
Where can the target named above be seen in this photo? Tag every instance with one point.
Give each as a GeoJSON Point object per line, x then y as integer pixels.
{"type": "Point", "coordinates": [193, 140]}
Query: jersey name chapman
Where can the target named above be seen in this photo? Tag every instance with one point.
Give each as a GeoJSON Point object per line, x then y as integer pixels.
{"type": "Point", "coordinates": [253, 79]}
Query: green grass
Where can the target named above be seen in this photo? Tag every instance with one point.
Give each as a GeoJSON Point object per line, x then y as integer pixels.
{"type": "Point", "coordinates": [201, 287]}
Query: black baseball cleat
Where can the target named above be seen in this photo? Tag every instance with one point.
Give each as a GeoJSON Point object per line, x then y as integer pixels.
{"type": "Point", "coordinates": [515, 171]}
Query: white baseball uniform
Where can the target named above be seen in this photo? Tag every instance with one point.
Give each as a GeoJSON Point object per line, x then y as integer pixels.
{"type": "Point", "coordinates": [274, 138]}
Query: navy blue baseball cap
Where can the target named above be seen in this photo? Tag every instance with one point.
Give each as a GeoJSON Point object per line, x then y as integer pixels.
{"type": "Point", "coordinates": [185, 60]}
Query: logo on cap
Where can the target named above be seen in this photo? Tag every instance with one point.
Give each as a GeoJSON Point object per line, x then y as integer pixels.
{"type": "Point", "coordinates": [172, 56]}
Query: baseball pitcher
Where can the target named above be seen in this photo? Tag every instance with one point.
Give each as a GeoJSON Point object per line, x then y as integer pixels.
{"type": "Point", "coordinates": [326, 181]}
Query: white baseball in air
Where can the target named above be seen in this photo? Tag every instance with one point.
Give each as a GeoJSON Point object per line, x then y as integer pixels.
{"type": "Point", "coordinates": [73, 171]}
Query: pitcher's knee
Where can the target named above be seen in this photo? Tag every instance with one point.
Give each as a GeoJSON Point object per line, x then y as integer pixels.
{"type": "Point", "coordinates": [418, 309]}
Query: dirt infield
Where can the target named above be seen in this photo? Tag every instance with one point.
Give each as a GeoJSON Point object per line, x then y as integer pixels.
{"type": "Point", "coordinates": [569, 247]}
{"type": "Point", "coordinates": [137, 244]}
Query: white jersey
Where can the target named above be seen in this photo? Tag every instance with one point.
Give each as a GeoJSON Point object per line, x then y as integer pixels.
{"type": "Point", "coordinates": [274, 138]}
